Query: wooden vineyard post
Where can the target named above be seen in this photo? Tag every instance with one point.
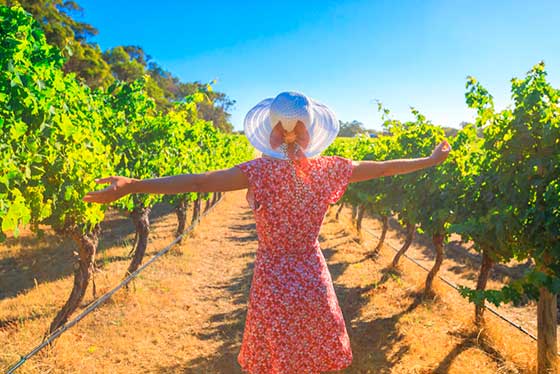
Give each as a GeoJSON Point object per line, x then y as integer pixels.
{"type": "Point", "coordinates": [546, 332]}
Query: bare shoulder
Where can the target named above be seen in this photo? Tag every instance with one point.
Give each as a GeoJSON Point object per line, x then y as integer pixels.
{"type": "Point", "coordinates": [229, 179]}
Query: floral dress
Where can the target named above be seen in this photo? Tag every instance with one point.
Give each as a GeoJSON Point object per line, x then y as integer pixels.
{"type": "Point", "coordinates": [294, 324]}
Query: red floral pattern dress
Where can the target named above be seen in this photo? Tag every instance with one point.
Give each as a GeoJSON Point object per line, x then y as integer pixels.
{"type": "Point", "coordinates": [294, 324]}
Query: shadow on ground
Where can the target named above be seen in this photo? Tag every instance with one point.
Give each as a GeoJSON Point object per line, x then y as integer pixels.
{"type": "Point", "coordinates": [372, 341]}
{"type": "Point", "coordinates": [48, 257]}
{"type": "Point", "coordinates": [467, 258]}
{"type": "Point", "coordinates": [226, 328]}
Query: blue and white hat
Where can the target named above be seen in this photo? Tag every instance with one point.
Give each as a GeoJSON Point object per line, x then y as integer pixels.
{"type": "Point", "coordinates": [290, 107]}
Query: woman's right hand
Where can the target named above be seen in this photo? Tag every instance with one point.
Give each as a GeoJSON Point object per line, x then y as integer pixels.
{"type": "Point", "coordinates": [441, 152]}
{"type": "Point", "coordinates": [120, 186]}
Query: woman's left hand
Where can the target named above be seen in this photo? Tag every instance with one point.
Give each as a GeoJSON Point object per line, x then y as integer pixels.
{"type": "Point", "coordinates": [119, 187]}
{"type": "Point", "coordinates": [440, 153]}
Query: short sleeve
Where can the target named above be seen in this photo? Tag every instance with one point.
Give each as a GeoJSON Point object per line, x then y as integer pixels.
{"type": "Point", "coordinates": [251, 170]}
{"type": "Point", "coordinates": [339, 173]}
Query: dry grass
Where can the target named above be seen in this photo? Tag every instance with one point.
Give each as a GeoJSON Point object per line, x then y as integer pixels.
{"type": "Point", "coordinates": [446, 314]}
{"type": "Point", "coordinates": [185, 314]}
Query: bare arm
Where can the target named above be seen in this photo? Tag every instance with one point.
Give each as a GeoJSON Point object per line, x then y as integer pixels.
{"type": "Point", "coordinates": [212, 181]}
{"type": "Point", "coordinates": [364, 170]}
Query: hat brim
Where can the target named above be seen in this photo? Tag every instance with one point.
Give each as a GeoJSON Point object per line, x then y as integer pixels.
{"type": "Point", "coordinates": [322, 131]}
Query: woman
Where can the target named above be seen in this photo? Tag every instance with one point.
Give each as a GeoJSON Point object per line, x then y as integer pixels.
{"type": "Point", "coordinates": [294, 323]}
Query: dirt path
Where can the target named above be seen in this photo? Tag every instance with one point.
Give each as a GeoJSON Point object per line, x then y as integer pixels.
{"type": "Point", "coordinates": [187, 312]}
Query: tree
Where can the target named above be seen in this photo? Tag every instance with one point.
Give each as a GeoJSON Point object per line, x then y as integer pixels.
{"type": "Point", "coordinates": [350, 129]}
{"type": "Point", "coordinates": [127, 63]}
{"type": "Point", "coordinates": [214, 107]}
{"type": "Point", "coordinates": [449, 131]}
{"type": "Point", "coordinates": [71, 37]}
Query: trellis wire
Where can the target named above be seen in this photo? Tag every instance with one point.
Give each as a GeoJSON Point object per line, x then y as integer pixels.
{"type": "Point", "coordinates": [451, 284]}
{"type": "Point", "coordinates": [55, 334]}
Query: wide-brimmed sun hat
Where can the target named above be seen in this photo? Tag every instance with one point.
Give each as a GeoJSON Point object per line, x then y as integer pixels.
{"type": "Point", "coordinates": [289, 108]}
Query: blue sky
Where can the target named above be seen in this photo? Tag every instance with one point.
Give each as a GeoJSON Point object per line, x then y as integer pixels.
{"type": "Point", "coordinates": [345, 54]}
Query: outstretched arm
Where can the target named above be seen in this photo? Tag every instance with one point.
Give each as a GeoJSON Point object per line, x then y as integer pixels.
{"type": "Point", "coordinates": [364, 170]}
{"type": "Point", "coordinates": [212, 181]}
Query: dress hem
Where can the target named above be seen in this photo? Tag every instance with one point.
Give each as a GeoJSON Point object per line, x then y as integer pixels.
{"type": "Point", "coordinates": [322, 370]}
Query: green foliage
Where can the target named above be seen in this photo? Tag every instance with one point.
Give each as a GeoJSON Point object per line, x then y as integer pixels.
{"type": "Point", "coordinates": [500, 190]}
{"type": "Point", "coordinates": [50, 138]}
{"type": "Point", "coordinates": [479, 98]}
{"type": "Point", "coordinates": [516, 195]}
{"type": "Point", "coordinates": [133, 134]}
{"type": "Point", "coordinates": [100, 69]}
{"type": "Point", "coordinates": [58, 135]}
{"type": "Point", "coordinates": [70, 36]}
{"type": "Point", "coordinates": [214, 107]}
{"type": "Point", "coordinates": [525, 144]}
